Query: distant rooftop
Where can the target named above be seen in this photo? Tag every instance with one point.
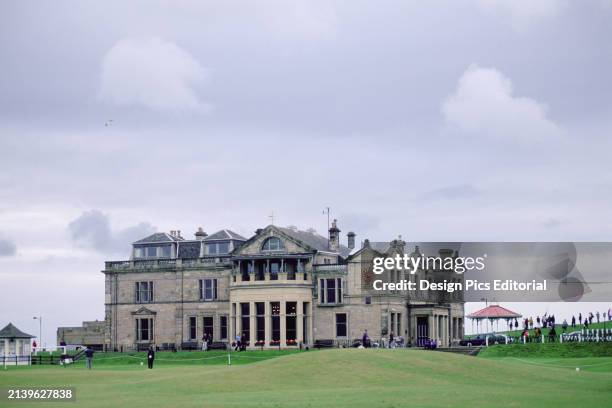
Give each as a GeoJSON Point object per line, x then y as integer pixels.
{"type": "Point", "coordinates": [12, 332]}
{"type": "Point", "coordinates": [174, 236]}
{"type": "Point", "coordinates": [225, 234]}
{"type": "Point", "coordinates": [159, 237]}
{"type": "Point", "coordinates": [494, 312]}
{"type": "Point", "coordinates": [313, 239]}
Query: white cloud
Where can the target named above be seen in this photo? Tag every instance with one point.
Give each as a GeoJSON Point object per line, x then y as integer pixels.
{"type": "Point", "coordinates": [484, 104]}
{"type": "Point", "coordinates": [522, 13]}
{"type": "Point", "coordinates": [154, 73]}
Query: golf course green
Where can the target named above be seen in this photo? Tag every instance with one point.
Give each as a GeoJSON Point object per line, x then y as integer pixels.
{"type": "Point", "coordinates": [333, 378]}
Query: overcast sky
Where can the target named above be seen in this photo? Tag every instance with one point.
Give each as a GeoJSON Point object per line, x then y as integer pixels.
{"type": "Point", "coordinates": [481, 120]}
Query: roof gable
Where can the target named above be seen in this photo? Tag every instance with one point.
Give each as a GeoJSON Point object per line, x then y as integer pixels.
{"type": "Point", "coordinates": [159, 237]}
{"type": "Point", "coordinates": [10, 331]}
{"type": "Point", "coordinates": [143, 311]}
{"type": "Point", "coordinates": [224, 234]}
{"type": "Point", "coordinates": [269, 231]}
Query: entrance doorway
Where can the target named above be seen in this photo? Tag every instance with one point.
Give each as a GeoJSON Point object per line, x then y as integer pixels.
{"type": "Point", "coordinates": [422, 330]}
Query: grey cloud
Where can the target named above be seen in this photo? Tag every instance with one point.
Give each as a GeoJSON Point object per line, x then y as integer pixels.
{"type": "Point", "coordinates": [552, 223]}
{"type": "Point", "coordinates": [461, 191]}
{"type": "Point", "coordinates": [7, 247]}
{"type": "Point", "coordinates": [92, 229]}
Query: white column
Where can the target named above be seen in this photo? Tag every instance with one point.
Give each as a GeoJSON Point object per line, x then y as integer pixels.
{"type": "Point", "coordinates": [283, 323]}
{"type": "Point", "coordinates": [300, 322]}
{"type": "Point", "coordinates": [310, 312]}
{"type": "Point", "coordinates": [252, 324]}
{"type": "Point", "coordinates": [268, 320]}
{"type": "Point", "coordinates": [432, 325]}
{"type": "Point", "coordinates": [238, 319]}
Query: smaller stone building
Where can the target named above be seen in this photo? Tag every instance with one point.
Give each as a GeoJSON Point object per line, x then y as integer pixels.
{"type": "Point", "coordinates": [90, 334]}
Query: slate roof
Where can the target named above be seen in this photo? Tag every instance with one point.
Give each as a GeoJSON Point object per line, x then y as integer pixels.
{"type": "Point", "coordinates": [225, 234]}
{"type": "Point", "coordinates": [10, 331]}
{"type": "Point", "coordinates": [189, 249]}
{"type": "Point", "coordinates": [380, 246]}
{"type": "Point", "coordinates": [313, 240]}
{"type": "Point", "coordinates": [159, 237]}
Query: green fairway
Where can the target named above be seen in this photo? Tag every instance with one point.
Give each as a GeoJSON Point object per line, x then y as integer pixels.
{"type": "Point", "coordinates": [197, 358]}
{"type": "Point", "coordinates": [340, 377]}
{"type": "Point", "coordinates": [549, 350]}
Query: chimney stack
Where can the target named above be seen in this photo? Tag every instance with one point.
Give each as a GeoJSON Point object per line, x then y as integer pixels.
{"type": "Point", "coordinates": [351, 240]}
{"type": "Point", "coordinates": [200, 234]}
{"type": "Point", "coordinates": [334, 237]}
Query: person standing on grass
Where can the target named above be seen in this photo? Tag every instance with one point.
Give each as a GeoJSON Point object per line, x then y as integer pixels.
{"type": "Point", "coordinates": [205, 342]}
{"type": "Point", "coordinates": [573, 321]}
{"type": "Point", "coordinates": [586, 323]}
{"type": "Point", "coordinates": [580, 318]}
{"type": "Point", "coordinates": [365, 339]}
{"type": "Point", "coordinates": [88, 357]}
{"type": "Point", "coordinates": [552, 335]}
{"type": "Point", "coordinates": [150, 356]}
{"type": "Point", "coordinates": [597, 314]}
{"type": "Point", "coordinates": [243, 343]}
{"type": "Point", "coordinates": [564, 325]}
{"type": "Point", "coordinates": [238, 338]}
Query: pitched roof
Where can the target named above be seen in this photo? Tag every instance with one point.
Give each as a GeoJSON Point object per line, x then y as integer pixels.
{"type": "Point", "coordinates": [189, 249]}
{"type": "Point", "coordinates": [159, 237]}
{"type": "Point", "coordinates": [10, 331]}
{"type": "Point", "coordinates": [313, 240]}
{"type": "Point", "coordinates": [494, 312]}
{"type": "Point", "coordinates": [225, 234]}
{"type": "Point", "coordinates": [380, 246]}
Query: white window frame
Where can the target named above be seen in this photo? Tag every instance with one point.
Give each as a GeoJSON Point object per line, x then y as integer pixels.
{"type": "Point", "coordinates": [214, 289]}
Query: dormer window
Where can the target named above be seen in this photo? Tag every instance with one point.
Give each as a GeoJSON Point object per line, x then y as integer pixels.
{"type": "Point", "coordinates": [272, 244]}
{"type": "Point", "coordinates": [152, 251]}
{"type": "Point", "coordinates": [214, 248]}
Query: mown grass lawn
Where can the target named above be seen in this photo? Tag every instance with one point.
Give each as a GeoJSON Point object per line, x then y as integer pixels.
{"type": "Point", "coordinates": [331, 378]}
{"type": "Point", "coordinates": [549, 350]}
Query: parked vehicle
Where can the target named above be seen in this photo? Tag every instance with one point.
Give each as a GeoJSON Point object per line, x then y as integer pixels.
{"type": "Point", "coordinates": [476, 341]}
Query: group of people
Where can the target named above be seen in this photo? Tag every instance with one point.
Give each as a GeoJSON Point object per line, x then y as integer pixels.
{"type": "Point", "coordinates": [588, 319]}
{"type": "Point", "coordinates": [240, 342]}
{"type": "Point", "coordinates": [206, 339]}
{"type": "Point", "coordinates": [549, 321]}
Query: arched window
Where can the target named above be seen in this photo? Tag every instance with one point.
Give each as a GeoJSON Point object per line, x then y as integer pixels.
{"type": "Point", "coordinates": [272, 244]}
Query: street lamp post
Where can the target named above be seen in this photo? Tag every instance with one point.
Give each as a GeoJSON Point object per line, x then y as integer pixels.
{"type": "Point", "coordinates": [39, 318]}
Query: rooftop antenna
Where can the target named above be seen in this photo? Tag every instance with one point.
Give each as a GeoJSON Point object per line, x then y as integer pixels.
{"type": "Point", "coordinates": [326, 211]}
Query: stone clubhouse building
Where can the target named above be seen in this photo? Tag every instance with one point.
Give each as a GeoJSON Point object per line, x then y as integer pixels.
{"type": "Point", "coordinates": [282, 287]}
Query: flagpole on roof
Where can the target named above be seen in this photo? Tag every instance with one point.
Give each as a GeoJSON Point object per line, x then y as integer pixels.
{"type": "Point", "coordinates": [326, 211]}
